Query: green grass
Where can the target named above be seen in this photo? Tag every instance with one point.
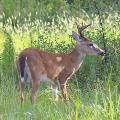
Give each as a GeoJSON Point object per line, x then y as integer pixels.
{"type": "Point", "coordinates": [90, 105]}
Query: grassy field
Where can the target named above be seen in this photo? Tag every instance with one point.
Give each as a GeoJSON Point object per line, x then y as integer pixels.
{"type": "Point", "coordinates": [94, 90]}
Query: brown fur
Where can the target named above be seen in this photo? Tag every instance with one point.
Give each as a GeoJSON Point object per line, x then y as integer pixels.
{"type": "Point", "coordinates": [58, 67]}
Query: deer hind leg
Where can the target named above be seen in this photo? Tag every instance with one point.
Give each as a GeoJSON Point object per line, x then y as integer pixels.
{"type": "Point", "coordinates": [35, 86]}
{"type": "Point", "coordinates": [21, 90]}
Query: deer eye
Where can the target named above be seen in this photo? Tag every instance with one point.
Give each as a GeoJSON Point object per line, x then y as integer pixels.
{"type": "Point", "coordinates": [90, 45]}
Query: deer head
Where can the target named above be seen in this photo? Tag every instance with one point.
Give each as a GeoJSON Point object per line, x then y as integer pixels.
{"type": "Point", "coordinates": [84, 45]}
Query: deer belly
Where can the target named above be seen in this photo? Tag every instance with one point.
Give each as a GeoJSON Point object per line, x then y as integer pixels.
{"type": "Point", "coordinates": [45, 78]}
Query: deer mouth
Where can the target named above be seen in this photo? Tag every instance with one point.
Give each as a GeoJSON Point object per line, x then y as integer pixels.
{"type": "Point", "coordinates": [101, 54]}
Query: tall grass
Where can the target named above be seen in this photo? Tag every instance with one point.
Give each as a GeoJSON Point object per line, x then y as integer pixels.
{"type": "Point", "coordinates": [93, 90]}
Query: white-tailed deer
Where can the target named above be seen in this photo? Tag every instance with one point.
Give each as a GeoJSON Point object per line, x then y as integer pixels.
{"type": "Point", "coordinates": [40, 66]}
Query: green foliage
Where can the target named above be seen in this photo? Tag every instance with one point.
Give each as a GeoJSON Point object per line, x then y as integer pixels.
{"type": "Point", "coordinates": [8, 55]}
{"type": "Point", "coordinates": [93, 90]}
{"type": "Point", "coordinates": [8, 9]}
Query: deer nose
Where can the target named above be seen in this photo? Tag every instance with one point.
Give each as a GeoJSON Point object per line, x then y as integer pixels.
{"type": "Point", "coordinates": [102, 53]}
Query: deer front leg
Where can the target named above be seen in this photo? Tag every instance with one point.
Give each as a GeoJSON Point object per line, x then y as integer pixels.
{"type": "Point", "coordinates": [63, 77]}
{"type": "Point", "coordinates": [54, 88]}
{"type": "Point", "coordinates": [64, 91]}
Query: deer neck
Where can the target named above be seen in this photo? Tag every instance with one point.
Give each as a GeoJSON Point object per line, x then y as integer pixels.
{"type": "Point", "coordinates": [77, 56]}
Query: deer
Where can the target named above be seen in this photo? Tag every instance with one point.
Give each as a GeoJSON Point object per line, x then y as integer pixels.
{"type": "Point", "coordinates": [38, 66]}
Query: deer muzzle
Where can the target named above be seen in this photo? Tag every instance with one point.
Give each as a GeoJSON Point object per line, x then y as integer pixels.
{"type": "Point", "coordinates": [102, 53]}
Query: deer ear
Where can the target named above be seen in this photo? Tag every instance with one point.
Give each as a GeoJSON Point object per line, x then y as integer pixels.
{"type": "Point", "coordinates": [76, 36]}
